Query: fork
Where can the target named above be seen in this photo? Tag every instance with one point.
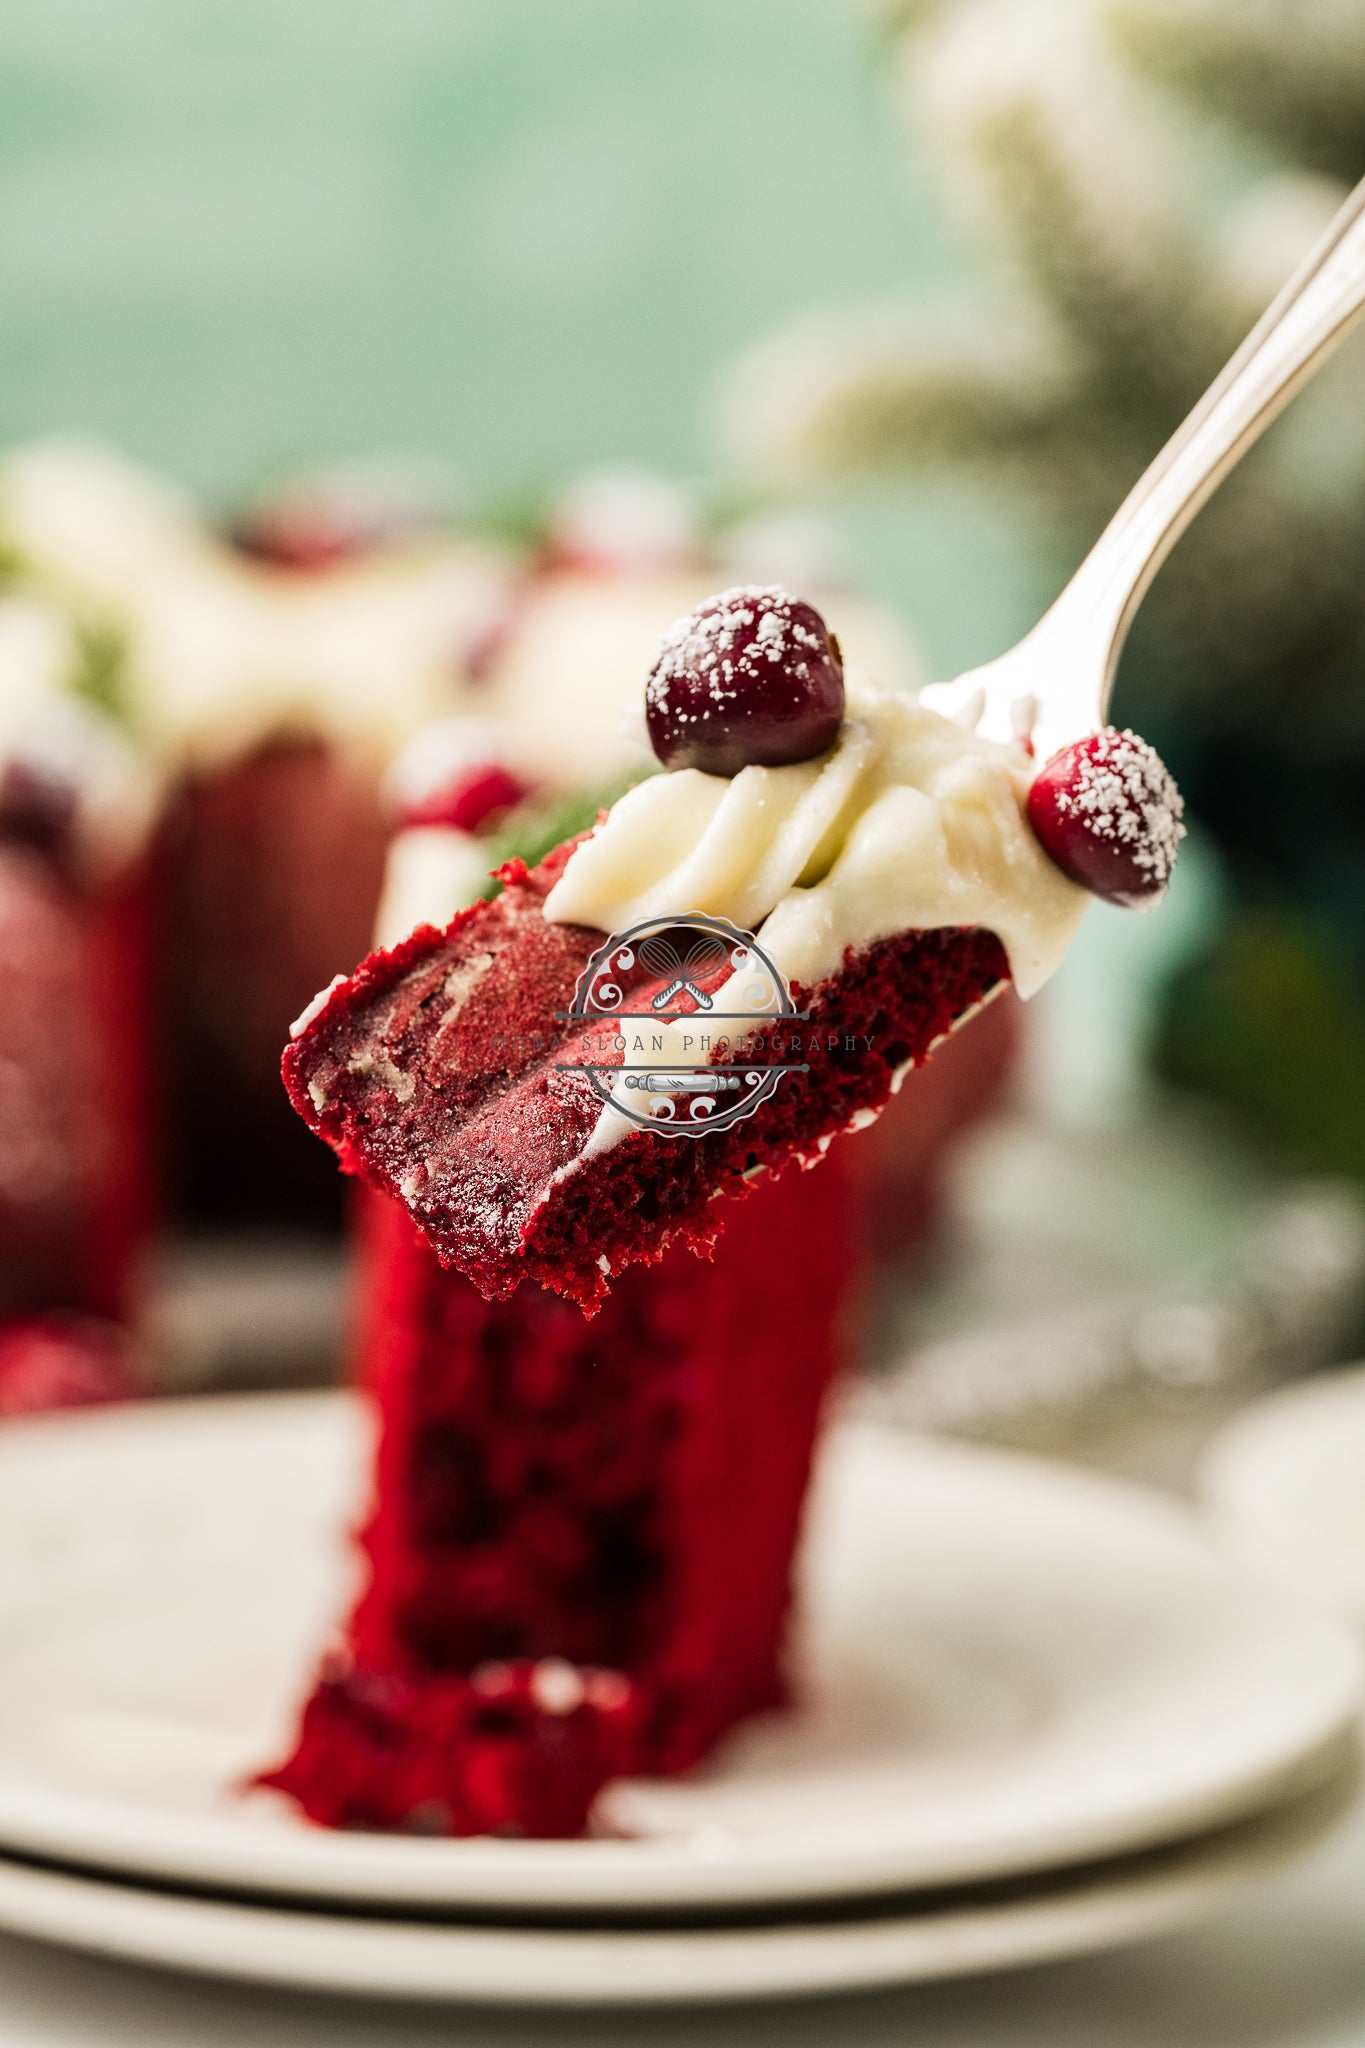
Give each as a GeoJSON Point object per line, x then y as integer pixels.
{"type": "Point", "coordinates": [1054, 686]}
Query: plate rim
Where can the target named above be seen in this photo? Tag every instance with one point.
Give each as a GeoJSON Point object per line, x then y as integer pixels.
{"type": "Point", "coordinates": [1060, 1914]}
{"type": "Point", "coordinates": [1247, 1456]}
{"type": "Point", "coordinates": [390, 1870]}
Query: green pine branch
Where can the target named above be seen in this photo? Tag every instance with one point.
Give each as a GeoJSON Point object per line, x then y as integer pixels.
{"type": "Point", "coordinates": [886, 387]}
{"type": "Point", "coordinates": [1288, 74]}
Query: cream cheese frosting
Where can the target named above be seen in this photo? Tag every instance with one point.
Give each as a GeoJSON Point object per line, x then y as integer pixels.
{"type": "Point", "coordinates": [909, 823]}
{"type": "Point", "coordinates": [224, 654]}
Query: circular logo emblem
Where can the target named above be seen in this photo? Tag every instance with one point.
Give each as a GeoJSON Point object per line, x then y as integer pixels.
{"type": "Point", "coordinates": [684, 1006]}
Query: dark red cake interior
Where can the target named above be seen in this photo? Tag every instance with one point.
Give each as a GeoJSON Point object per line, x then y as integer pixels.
{"type": "Point", "coordinates": [579, 1550]}
{"type": "Point", "coordinates": [442, 1072]}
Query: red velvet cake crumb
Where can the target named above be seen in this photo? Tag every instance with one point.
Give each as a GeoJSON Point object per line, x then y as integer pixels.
{"type": "Point", "coordinates": [440, 1071]}
{"type": "Point", "coordinates": [457, 1755]}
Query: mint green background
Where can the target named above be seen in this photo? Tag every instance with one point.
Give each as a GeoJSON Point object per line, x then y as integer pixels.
{"type": "Point", "coordinates": [521, 234]}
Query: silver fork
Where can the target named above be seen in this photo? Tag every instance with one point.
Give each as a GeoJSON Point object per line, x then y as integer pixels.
{"type": "Point", "coordinates": [1057, 680]}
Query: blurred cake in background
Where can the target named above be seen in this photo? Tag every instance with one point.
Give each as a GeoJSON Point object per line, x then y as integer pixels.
{"type": "Point", "coordinates": [580, 1542]}
{"type": "Point", "coordinates": [272, 666]}
{"type": "Point", "coordinates": [900, 1159]}
{"type": "Point", "coordinates": [78, 806]}
{"type": "Point", "coordinates": [271, 676]}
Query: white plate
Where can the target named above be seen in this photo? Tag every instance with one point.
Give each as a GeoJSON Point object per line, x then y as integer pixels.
{"type": "Point", "coordinates": [1286, 1480]}
{"type": "Point", "coordinates": [1010, 1666]}
{"type": "Point", "coordinates": [901, 1943]}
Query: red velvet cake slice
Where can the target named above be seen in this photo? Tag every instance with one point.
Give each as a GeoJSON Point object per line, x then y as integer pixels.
{"type": "Point", "coordinates": [578, 1567]}
{"type": "Point", "coordinates": [77, 807]}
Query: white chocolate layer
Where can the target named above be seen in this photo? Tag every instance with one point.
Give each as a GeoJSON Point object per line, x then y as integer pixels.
{"type": "Point", "coordinates": [432, 872]}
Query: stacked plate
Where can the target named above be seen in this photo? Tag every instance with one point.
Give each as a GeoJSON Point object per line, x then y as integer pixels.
{"type": "Point", "coordinates": [1286, 1483]}
{"type": "Point", "coordinates": [1040, 1715]}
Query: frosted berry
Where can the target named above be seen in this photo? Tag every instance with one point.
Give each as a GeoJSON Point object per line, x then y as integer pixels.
{"type": "Point", "coordinates": [1109, 814]}
{"type": "Point", "coordinates": [751, 678]}
{"type": "Point", "coordinates": [470, 799]}
{"type": "Point", "coordinates": [338, 515]}
{"type": "Point", "coordinates": [306, 537]}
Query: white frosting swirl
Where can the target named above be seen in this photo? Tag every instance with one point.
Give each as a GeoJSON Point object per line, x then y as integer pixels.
{"type": "Point", "coordinates": [909, 823]}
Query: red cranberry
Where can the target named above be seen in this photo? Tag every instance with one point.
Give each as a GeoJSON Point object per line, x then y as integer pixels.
{"type": "Point", "coordinates": [471, 798]}
{"type": "Point", "coordinates": [306, 539]}
{"type": "Point", "coordinates": [1109, 814]}
{"type": "Point", "coordinates": [752, 678]}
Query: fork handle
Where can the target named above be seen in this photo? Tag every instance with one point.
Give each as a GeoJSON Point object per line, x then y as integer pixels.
{"type": "Point", "coordinates": [1311, 315]}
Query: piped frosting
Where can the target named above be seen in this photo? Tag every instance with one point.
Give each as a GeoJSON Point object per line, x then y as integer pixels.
{"type": "Point", "coordinates": [907, 823]}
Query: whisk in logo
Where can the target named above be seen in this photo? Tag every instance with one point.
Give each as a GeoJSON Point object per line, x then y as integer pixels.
{"type": "Point", "coordinates": [691, 1033]}
{"type": "Point", "coordinates": [664, 956]}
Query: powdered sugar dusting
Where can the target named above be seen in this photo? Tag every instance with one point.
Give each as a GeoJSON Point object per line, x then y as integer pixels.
{"type": "Point", "coordinates": [1122, 791]}
{"type": "Point", "coordinates": [752, 678]}
{"type": "Point", "coordinates": [730, 641]}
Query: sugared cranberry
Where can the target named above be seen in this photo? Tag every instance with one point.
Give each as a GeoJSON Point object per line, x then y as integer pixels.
{"type": "Point", "coordinates": [307, 543]}
{"type": "Point", "coordinates": [473, 797]}
{"type": "Point", "coordinates": [1109, 814]}
{"type": "Point", "coordinates": [751, 678]}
